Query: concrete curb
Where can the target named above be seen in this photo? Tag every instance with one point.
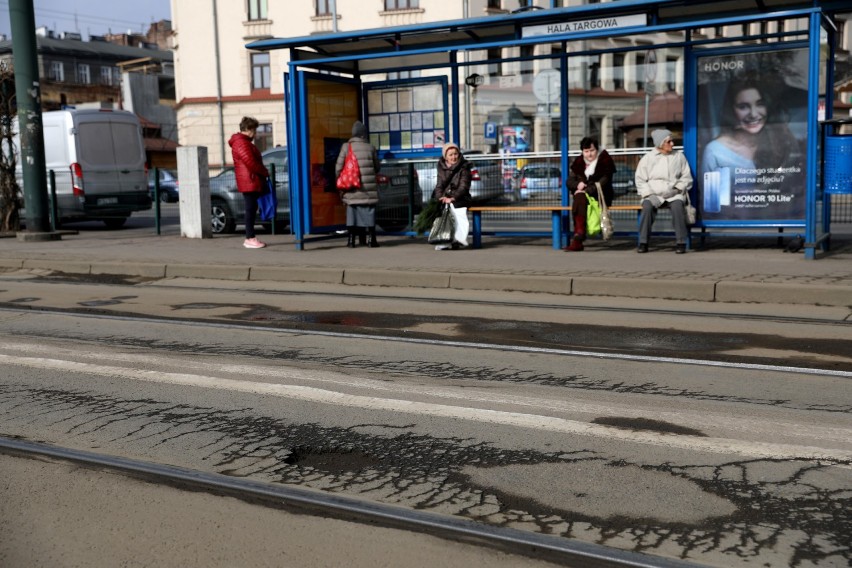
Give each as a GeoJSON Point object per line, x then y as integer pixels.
{"type": "Point", "coordinates": [673, 289]}
{"type": "Point", "coordinates": [148, 270]}
{"type": "Point", "coordinates": [703, 291]}
{"type": "Point", "coordinates": [511, 282]}
{"type": "Point", "coordinates": [12, 263]}
{"type": "Point", "coordinates": [363, 277]}
{"type": "Point", "coordinates": [297, 274]}
{"type": "Point", "coordinates": [216, 271]}
{"type": "Point", "coordinates": [69, 266]}
{"type": "Point", "coordinates": [807, 294]}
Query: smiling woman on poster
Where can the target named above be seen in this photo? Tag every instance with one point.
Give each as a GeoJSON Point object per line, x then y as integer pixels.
{"type": "Point", "coordinates": [752, 169]}
{"type": "Point", "coordinates": [753, 135]}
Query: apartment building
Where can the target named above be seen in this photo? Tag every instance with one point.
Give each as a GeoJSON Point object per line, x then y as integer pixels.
{"type": "Point", "coordinates": [609, 81]}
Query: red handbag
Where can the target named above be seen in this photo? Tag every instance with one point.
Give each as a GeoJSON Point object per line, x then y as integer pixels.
{"type": "Point", "coordinates": [350, 175]}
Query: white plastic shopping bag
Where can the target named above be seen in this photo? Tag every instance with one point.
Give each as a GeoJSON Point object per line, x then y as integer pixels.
{"type": "Point", "coordinates": [462, 225]}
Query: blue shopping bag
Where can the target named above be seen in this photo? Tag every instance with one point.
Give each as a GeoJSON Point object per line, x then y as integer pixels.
{"type": "Point", "coordinates": [267, 203]}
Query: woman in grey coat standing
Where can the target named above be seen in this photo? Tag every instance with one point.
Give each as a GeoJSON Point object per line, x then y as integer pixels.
{"type": "Point", "coordinates": [361, 203]}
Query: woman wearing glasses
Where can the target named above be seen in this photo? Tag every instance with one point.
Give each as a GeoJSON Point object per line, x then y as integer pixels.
{"type": "Point", "coordinates": [662, 180]}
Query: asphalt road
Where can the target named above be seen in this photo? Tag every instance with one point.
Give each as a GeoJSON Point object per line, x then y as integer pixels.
{"type": "Point", "coordinates": [724, 438]}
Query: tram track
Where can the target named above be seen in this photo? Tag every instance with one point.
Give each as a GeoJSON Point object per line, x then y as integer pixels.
{"type": "Point", "coordinates": [562, 551]}
{"type": "Point", "coordinates": [407, 339]}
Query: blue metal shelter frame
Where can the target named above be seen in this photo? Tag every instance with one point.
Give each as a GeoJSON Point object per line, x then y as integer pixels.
{"type": "Point", "coordinates": [437, 45]}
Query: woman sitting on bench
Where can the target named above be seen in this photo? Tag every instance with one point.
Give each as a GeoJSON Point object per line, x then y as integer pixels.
{"type": "Point", "coordinates": [593, 166]}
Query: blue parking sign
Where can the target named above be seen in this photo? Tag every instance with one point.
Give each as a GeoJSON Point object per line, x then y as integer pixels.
{"type": "Point", "coordinates": [491, 132]}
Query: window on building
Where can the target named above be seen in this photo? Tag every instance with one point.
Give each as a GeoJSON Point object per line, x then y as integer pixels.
{"type": "Point", "coordinates": [594, 71]}
{"type": "Point", "coordinates": [595, 126]}
{"type": "Point", "coordinates": [527, 65]}
{"type": "Point", "coordinates": [57, 71]}
{"type": "Point", "coordinates": [495, 56]}
{"type": "Point", "coordinates": [84, 74]}
{"type": "Point", "coordinates": [260, 71]}
{"type": "Point", "coordinates": [393, 75]}
{"type": "Point", "coordinates": [640, 71]}
{"type": "Point", "coordinates": [618, 71]}
{"type": "Point", "coordinates": [257, 10]}
{"type": "Point", "coordinates": [495, 4]}
{"type": "Point", "coordinates": [263, 137]}
{"type": "Point", "coordinates": [671, 73]}
{"type": "Point", "coordinates": [401, 4]}
{"type": "Point", "coordinates": [106, 75]}
{"type": "Point", "coordinates": [324, 7]}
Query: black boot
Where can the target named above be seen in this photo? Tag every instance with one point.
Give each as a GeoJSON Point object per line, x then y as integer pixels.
{"type": "Point", "coordinates": [373, 242]}
{"type": "Point", "coordinates": [362, 235]}
{"type": "Point", "coordinates": [351, 242]}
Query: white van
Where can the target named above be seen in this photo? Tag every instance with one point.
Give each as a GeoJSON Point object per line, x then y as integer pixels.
{"type": "Point", "coordinates": [98, 158]}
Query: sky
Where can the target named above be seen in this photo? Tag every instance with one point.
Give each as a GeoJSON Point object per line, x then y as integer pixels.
{"type": "Point", "coordinates": [93, 17]}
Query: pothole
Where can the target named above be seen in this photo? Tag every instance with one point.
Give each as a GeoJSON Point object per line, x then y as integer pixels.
{"type": "Point", "coordinates": [331, 460]}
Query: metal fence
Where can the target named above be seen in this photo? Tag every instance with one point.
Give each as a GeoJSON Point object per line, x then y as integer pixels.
{"type": "Point", "coordinates": [538, 179]}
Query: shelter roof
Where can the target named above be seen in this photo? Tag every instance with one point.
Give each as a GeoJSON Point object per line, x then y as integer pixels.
{"type": "Point", "coordinates": [425, 45]}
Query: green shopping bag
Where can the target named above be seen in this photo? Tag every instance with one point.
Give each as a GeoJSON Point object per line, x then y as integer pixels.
{"type": "Point", "coordinates": [593, 216]}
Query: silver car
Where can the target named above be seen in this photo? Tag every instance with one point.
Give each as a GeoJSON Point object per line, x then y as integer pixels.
{"type": "Point", "coordinates": [228, 208]}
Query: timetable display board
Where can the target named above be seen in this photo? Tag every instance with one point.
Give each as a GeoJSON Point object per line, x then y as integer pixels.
{"type": "Point", "coordinates": [408, 116]}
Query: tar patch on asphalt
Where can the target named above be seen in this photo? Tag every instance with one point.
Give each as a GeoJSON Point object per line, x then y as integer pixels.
{"type": "Point", "coordinates": [647, 424]}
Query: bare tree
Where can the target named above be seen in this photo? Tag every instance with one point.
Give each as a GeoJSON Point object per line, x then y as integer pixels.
{"type": "Point", "coordinates": [10, 193]}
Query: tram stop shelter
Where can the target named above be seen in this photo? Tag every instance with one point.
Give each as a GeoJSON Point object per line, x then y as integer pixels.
{"type": "Point", "coordinates": [587, 67]}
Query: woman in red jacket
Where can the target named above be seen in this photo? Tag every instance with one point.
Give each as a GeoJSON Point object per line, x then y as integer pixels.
{"type": "Point", "coordinates": [250, 173]}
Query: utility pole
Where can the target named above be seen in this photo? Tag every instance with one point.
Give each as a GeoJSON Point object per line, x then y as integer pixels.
{"type": "Point", "coordinates": [28, 94]}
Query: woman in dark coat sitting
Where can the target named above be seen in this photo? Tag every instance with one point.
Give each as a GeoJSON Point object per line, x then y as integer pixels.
{"type": "Point", "coordinates": [453, 186]}
{"type": "Point", "coordinates": [593, 166]}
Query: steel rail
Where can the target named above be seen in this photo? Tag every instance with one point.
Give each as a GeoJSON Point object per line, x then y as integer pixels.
{"type": "Point", "coordinates": [566, 551]}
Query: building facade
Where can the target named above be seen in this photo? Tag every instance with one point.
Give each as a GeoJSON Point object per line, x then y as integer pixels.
{"type": "Point", "coordinates": [132, 72]}
{"type": "Point", "coordinates": [218, 81]}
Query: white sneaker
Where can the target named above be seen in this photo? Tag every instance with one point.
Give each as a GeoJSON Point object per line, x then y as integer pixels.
{"type": "Point", "coordinates": [442, 247]}
{"type": "Point", "coordinates": [253, 244]}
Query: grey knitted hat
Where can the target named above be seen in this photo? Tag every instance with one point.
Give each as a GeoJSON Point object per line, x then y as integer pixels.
{"type": "Point", "coordinates": [659, 136]}
{"type": "Point", "coordinates": [358, 129]}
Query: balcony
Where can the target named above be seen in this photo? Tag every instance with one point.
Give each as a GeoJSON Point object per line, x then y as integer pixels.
{"type": "Point", "coordinates": [257, 29]}
{"type": "Point", "coordinates": [402, 17]}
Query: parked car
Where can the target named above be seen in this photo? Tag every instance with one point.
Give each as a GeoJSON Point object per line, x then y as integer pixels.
{"type": "Point", "coordinates": [227, 207]}
{"type": "Point", "coordinates": [624, 180]}
{"type": "Point", "coordinates": [169, 190]}
{"type": "Point", "coordinates": [486, 181]}
{"type": "Point", "coordinates": [539, 180]}
{"type": "Point", "coordinates": [98, 160]}
{"type": "Point", "coordinates": [392, 212]}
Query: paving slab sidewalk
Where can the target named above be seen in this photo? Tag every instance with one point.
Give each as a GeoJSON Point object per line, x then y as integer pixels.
{"type": "Point", "coordinates": [728, 270]}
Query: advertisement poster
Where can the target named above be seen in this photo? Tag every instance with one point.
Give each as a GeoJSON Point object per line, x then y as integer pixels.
{"type": "Point", "coordinates": [513, 140]}
{"type": "Point", "coordinates": [332, 109]}
{"type": "Point", "coordinates": [752, 128]}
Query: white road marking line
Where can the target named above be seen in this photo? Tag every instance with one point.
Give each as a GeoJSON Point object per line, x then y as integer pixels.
{"type": "Point", "coordinates": [515, 419]}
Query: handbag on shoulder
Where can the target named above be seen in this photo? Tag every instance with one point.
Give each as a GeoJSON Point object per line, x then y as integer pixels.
{"type": "Point", "coordinates": [350, 175]}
